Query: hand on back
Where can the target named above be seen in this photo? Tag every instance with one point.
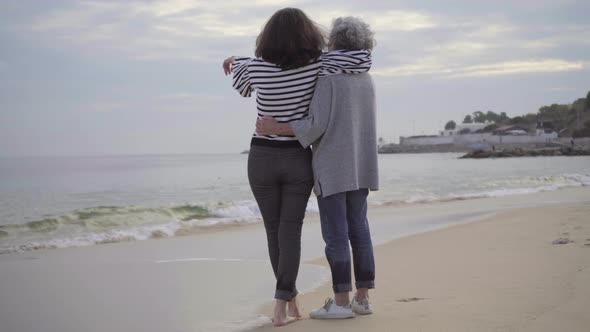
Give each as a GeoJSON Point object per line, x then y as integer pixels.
{"type": "Point", "coordinates": [267, 126]}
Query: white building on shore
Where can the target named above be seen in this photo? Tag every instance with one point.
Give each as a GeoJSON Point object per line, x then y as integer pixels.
{"type": "Point", "coordinates": [502, 135]}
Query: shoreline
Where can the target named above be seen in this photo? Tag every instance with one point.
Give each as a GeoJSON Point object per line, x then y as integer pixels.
{"type": "Point", "coordinates": [183, 280]}
{"type": "Point", "coordinates": [486, 273]}
{"type": "Point", "coordinates": [196, 226]}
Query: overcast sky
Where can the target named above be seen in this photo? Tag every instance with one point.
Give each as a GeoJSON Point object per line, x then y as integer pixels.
{"type": "Point", "coordinates": [143, 77]}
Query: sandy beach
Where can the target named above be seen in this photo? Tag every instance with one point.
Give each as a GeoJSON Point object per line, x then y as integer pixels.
{"type": "Point", "coordinates": [504, 273]}
{"type": "Point", "coordinates": [467, 265]}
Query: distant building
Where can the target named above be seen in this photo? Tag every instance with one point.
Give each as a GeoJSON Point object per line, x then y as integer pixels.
{"type": "Point", "coordinates": [546, 128]}
{"type": "Point", "coordinates": [514, 130]}
{"type": "Point", "coordinates": [510, 130]}
{"type": "Point", "coordinates": [466, 134]}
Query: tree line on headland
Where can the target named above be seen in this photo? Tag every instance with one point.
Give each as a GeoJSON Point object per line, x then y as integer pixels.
{"type": "Point", "coordinates": [568, 120]}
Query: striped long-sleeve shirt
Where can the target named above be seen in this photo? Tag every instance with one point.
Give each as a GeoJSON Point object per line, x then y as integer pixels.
{"type": "Point", "coordinates": [286, 94]}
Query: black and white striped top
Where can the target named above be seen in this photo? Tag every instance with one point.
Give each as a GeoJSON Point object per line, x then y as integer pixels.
{"type": "Point", "coordinates": [286, 94]}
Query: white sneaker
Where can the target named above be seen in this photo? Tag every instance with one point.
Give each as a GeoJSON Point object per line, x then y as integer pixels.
{"type": "Point", "coordinates": [362, 307]}
{"type": "Point", "coordinates": [332, 311]}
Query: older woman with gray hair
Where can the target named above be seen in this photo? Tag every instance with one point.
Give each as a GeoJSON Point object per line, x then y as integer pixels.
{"type": "Point", "coordinates": [341, 128]}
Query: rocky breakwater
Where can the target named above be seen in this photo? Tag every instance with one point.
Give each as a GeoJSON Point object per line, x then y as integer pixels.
{"type": "Point", "coordinates": [553, 152]}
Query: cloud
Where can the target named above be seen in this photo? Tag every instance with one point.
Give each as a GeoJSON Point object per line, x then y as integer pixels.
{"type": "Point", "coordinates": [147, 30]}
{"type": "Point", "coordinates": [181, 17]}
{"type": "Point", "coordinates": [397, 20]}
{"type": "Point", "coordinates": [458, 47]}
{"type": "Point", "coordinates": [380, 21]}
{"type": "Point", "coordinates": [185, 29]}
{"type": "Point", "coordinates": [168, 102]}
{"type": "Point", "coordinates": [419, 41]}
{"type": "Point", "coordinates": [437, 69]}
{"type": "Point", "coordinates": [174, 7]}
{"type": "Point", "coordinates": [520, 67]}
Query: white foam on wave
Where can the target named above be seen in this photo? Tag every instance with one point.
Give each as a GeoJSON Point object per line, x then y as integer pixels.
{"type": "Point", "coordinates": [234, 214]}
{"type": "Point", "coordinates": [495, 188]}
{"type": "Point", "coordinates": [583, 179]}
{"type": "Point", "coordinates": [240, 209]}
{"type": "Point", "coordinates": [422, 198]}
{"type": "Point", "coordinates": [111, 236]}
{"type": "Point", "coordinates": [249, 209]}
{"type": "Point", "coordinates": [536, 185]}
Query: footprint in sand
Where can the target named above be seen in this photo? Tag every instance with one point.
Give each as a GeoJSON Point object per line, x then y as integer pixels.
{"type": "Point", "coordinates": [411, 299]}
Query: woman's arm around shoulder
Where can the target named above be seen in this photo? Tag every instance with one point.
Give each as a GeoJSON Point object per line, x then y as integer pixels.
{"type": "Point", "coordinates": [345, 62]}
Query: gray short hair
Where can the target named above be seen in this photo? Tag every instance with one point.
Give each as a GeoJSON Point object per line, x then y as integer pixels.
{"type": "Point", "coordinates": [351, 33]}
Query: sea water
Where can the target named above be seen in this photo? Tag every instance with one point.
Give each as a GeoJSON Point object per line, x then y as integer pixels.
{"type": "Point", "coordinates": [56, 202]}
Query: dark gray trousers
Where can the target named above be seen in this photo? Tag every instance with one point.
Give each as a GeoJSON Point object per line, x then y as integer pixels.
{"type": "Point", "coordinates": [281, 180]}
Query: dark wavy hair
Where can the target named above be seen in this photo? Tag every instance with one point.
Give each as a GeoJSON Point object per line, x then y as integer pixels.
{"type": "Point", "coordinates": [290, 39]}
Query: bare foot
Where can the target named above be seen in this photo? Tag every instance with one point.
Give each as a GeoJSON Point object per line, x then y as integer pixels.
{"type": "Point", "coordinates": [280, 315]}
{"type": "Point", "coordinates": [283, 322]}
{"type": "Point", "coordinates": [293, 309]}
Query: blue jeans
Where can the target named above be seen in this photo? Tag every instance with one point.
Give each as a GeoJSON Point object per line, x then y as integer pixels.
{"type": "Point", "coordinates": [343, 219]}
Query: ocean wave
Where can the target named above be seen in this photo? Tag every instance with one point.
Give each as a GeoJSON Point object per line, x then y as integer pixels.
{"type": "Point", "coordinates": [531, 185]}
{"type": "Point", "coordinates": [507, 187]}
{"type": "Point", "coordinates": [170, 229]}
{"type": "Point", "coordinates": [110, 224]}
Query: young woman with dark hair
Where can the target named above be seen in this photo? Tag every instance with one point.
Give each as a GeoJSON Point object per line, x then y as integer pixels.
{"type": "Point", "coordinates": [290, 40]}
{"type": "Point", "coordinates": [288, 61]}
